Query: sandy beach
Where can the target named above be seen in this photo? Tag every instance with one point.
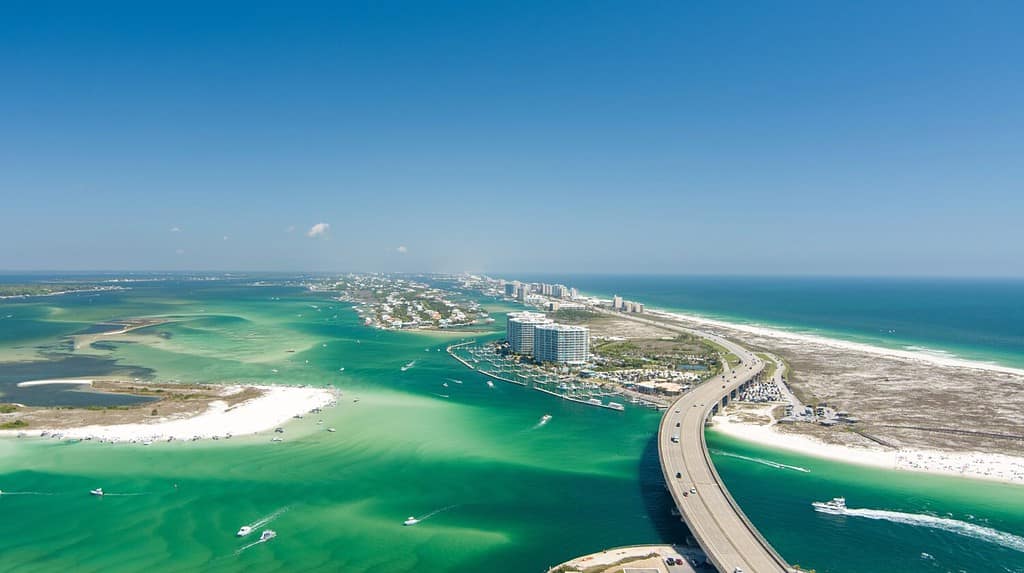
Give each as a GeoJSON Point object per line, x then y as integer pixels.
{"type": "Point", "coordinates": [273, 407]}
{"type": "Point", "coordinates": [975, 465]}
{"type": "Point", "coordinates": [921, 355]}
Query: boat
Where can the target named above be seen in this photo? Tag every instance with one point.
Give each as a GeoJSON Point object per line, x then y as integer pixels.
{"type": "Point", "coordinates": [331, 430]}
{"type": "Point", "coordinates": [267, 535]}
{"type": "Point", "coordinates": [615, 406]}
{"type": "Point", "coordinates": [411, 521]}
{"type": "Point", "coordinates": [490, 384]}
{"type": "Point", "coordinates": [408, 366]}
{"type": "Point", "coordinates": [594, 402]}
{"type": "Point", "coordinates": [835, 505]}
{"type": "Point", "coordinates": [244, 530]}
{"type": "Point", "coordinates": [445, 384]}
{"type": "Point", "coordinates": [277, 439]}
{"type": "Point", "coordinates": [98, 491]}
{"type": "Point", "coordinates": [545, 419]}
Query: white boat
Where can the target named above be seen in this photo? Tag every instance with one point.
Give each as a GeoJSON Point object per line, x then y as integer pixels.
{"type": "Point", "coordinates": [545, 419]}
{"type": "Point", "coordinates": [411, 521]}
{"type": "Point", "coordinates": [490, 384]}
{"type": "Point", "coordinates": [835, 505]}
{"type": "Point", "coordinates": [408, 366]}
{"type": "Point", "coordinates": [277, 439]}
{"type": "Point", "coordinates": [243, 531]}
{"type": "Point", "coordinates": [98, 491]}
{"type": "Point", "coordinates": [445, 384]}
{"type": "Point", "coordinates": [267, 535]}
{"type": "Point", "coordinates": [615, 406]}
{"type": "Point", "coordinates": [332, 430]}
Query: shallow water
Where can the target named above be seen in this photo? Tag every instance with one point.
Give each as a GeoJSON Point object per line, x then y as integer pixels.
{"type": "Point", "coordinates": [519, 496]}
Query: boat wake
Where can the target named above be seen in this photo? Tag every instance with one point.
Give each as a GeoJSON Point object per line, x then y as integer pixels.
{"type": "Point", "coordinates": [265, 520]}
{"type": "Point", "coordinates": [253, 544]}
{"type": "Point", "coordinates": [768, 463]}
{"type": "Point", "coordinates": [26, 493]}
{"type": "Point", "coordinates": [417, 520]}
{"type": "Point", "coordinates": [543, 421]}
{"type": "Point", "coordinates": [963, 528]}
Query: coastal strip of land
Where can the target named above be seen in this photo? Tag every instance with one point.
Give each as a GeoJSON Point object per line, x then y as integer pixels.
{"type": "Point", "coordinates": [179, 412]}
{"type": "Point", "coordinates": [902, 408]}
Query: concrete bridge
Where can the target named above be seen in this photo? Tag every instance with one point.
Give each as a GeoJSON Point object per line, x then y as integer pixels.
{"type": "Point", "coordinates": [718, 524]}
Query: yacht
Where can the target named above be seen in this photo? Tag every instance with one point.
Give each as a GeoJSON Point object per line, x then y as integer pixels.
{"type": "Point", "coordinates": [267, 535]}
{"type": "Point", "coordinates": [616, 406]}
{"type": "Point", "coordinates": [835, 505]}
{"type": "Point", "coordinates": [98, 491]}
{"type": "Point", "coordinates": [244, 530]}
{"type": "Point", "coordinates": [411, 521]}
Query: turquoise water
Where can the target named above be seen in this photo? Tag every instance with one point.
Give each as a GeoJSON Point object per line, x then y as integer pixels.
{"type": "Point", "coordinates": [516, 496]}
{"type": "Point", "coordinates": [975, 319]}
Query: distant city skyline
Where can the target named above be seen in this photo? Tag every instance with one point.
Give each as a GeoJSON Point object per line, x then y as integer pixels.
{"type": "Point", "coordinates": [794, 138]}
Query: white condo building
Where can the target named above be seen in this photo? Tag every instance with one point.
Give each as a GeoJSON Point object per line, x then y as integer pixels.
{"type": "Point", "coordinates": [520, 328]}
{"type": "Point", "coordinates": [561, 343]}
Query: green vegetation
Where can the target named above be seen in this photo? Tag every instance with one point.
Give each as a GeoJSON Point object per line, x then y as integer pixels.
{"type": "Point", "coordinates": [769, 365]}
{"type": "Point", "coordinates": [573, 316]}
{"type": "Point", "coordinates": [666, 353]}
{"type": "Point", "coordinates": [731, 358]}
{"type": "Point", "coordinates": [8, 408]}
{"type": "Point", "coordinates": [14, 425]}
{"type": "Point", "coordinates": [40, 289]}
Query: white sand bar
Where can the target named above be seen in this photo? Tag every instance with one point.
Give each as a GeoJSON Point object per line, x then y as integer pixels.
{"type": "Point", "coordinates": [51, 382]}
{"type": "Point", "coordinates": [963, 464]}
{"type": "Point", "coordinates": [277, 405]}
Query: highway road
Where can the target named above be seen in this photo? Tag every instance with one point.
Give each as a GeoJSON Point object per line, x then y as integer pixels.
{"type": "Point", "coordinates": [731, 543]}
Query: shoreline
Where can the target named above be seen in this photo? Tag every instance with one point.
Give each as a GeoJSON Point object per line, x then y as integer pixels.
{"type": "Point", "coordinates": [928, 357]}
{"type": "Point", "coordinates": [970, 465]}
{"type": "Point", "coordinates": [275, 406]}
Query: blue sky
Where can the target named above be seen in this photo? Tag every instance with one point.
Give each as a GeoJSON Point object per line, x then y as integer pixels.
{"type": "Point", "coordinates": [877, 138]}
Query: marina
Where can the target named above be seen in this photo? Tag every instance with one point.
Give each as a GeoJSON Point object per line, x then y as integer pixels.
{"type": "Point", "coordinates": [485, 360]}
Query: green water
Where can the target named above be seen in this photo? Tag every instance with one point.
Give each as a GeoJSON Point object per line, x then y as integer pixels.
{"type": "Point", "coordinates": [519, 497]}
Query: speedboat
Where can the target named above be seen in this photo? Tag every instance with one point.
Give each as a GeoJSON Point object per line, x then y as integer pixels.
{"type": "Point", "coordinates": [98, 491]}
{"type": "Point", "coordinates": [411, 521]}
{"type": "Point", "coordinates": [244, 530]}
{"type": "Point", "coordinates": [277, 439]}
{"type": "Point", "coordinates": [267, 535]}
{"type": "Point", "coordinates": [331, 430]}
{"type": "Point", "coordinates": [835, 505]}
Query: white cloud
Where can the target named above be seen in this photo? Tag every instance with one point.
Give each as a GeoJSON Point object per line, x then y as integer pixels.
{"type": "Point", "coordinates": [402, 249]}
{"type": "Point", "coordinates": [175, 230]}
{"type": "Point", "coordinates": [318, 230]}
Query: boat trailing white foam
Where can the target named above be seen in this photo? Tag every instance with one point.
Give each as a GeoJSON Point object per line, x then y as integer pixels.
{"type": "Point", "coordinates": [962, 528]}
